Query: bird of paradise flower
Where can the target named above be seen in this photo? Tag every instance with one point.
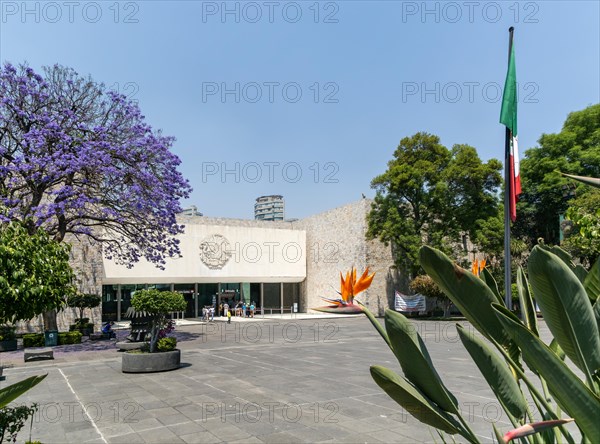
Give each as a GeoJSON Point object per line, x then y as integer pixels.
{"type": "Point", "coordinates": [478, 267]}
{"type": "Point", "coordinates": [350, 287]}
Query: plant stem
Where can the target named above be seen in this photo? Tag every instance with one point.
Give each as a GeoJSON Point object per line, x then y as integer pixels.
{"type": "Point", "coordinates": [534, 391]}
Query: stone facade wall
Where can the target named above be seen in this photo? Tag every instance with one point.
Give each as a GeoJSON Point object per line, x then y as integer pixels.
{"type": "Point", "coordinates": [336, 242]}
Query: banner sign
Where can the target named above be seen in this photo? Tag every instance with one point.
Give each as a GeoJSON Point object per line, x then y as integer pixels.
{"type": "Point", "coordinates": [410, 303]}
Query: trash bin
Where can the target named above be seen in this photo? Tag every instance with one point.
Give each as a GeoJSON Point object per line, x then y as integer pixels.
{"type": "Point", "coordinates": [51, 337]}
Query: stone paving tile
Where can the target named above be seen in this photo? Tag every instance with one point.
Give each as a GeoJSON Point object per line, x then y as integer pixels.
{"type": "Point", "coordinates": [161, 435]}
{"type": "Point", "coordinates": [81, 435]}
{"type": "Point", "coordinates": [116, 430]}
{"type": "Point", "coordinates": [358, 439]}
{"type": "Point", "coordinates": [253, 440]}
{"type": "Point", "coordinates": [146, 424]}
{"type": "Point", "coordinates": [245, 383]}
{"type": "Point", "coordinates": [131, 438]}
{"type": "Point", "coordinates": [201, 437]}
{"type": "Point", "coordinates": [186, 428]}
{"type": "Point", "coordinates": [276, 438]}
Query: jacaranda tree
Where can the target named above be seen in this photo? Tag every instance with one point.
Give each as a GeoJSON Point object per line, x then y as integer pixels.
{"type": "Point", "coordinates": [78, 158]}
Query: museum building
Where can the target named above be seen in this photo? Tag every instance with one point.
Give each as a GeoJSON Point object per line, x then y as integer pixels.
{"type": "Point", "coordinates": [281, 266]}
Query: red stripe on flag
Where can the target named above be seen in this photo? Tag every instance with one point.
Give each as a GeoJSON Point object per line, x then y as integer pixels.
{"type": "Point", "coordinates": [515, 189]}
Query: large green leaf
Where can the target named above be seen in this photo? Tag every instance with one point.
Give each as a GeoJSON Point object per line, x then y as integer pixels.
{"type": "Point", "coordinates": [566, 257]}
{"type": "Point", "coordinates": [491, 282]}
{"type": "Point", "coordinates": [469, 293]}
{"type": "Point", "coordinates": [566, 309]}
{"type": "Point", "coordinates": [592, 281]}
{"type": "Point", "coordinates": [592, 181]}
{"type": "Point", "coordinates": [597, 312]}
{"type": "Point", "coordinates": [13, 391]}
{"type": "Point", "coordinates": [415, 361]}
{"type": "Point", "coordinates": [414, 401]}
{"type": "Point", "coordinates": [527, 307]}
{"type": "Point", "coordinates": [570, 392]}
{"type": "Point", "coordinates": [496, 373]}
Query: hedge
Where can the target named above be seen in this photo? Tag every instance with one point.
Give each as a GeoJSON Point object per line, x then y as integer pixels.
{"type": "Point", "coordinates": [38, 339]}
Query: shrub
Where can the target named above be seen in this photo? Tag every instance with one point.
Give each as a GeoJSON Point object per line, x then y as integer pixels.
{"type": "Point", "coordinates": [33, 340]}
{"type": "Point", "coordinates": [72, 337]}
{"type": "Point", "coordinates": [426, 286]}
{"type": "Point", "coordinates": [166, 344]}
{"type": "Point", "coordinates": [7, 333]}
{"type": "Point", "coordinates": [38, 339]}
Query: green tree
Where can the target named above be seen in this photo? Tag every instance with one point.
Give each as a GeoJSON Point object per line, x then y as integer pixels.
{"type": "Point", "coordinates": [81, 301]}
{"type": "Point", "coordinates": [35, 275]}
{"type": "Point", "coordinates": [157, 304]}
{"type": "Point", "coordinates": [583, 227]}
{"type": "Point", "coordinates": [430, 195]}
{"type": "Point", "coordinates": [546, 194]}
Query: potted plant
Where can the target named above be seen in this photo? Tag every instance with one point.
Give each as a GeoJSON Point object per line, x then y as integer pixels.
{"type": "Point", "coordinates": [160, 354]}
{"type": "Point", "coordinates": [8, 339]}
{"type": "Point", "coordinates": [81, 301]}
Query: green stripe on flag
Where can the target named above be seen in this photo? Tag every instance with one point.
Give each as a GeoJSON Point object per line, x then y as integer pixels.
{"type": "Point", "coordinates": [508, 114]}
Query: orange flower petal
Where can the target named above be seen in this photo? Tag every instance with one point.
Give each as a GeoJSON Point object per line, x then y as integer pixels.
{"type": "Point", "coordinates": [364, 282]}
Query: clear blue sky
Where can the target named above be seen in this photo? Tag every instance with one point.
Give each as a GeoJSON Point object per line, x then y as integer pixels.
{"type": "Point", "coordinates": [365, 64]}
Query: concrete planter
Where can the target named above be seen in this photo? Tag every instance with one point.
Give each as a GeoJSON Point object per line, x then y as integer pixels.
{"type": "Point", "coordinates": [8, 345]}
{"type": "Point", "coordinates": [150, 362]}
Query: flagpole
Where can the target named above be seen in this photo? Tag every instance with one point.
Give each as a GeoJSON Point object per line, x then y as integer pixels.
{"type": "Point", "coordinates": [507, 191]}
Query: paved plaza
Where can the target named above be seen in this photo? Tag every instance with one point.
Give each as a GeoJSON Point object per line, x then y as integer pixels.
{"type": "Point", "coordinates": [267, 381]}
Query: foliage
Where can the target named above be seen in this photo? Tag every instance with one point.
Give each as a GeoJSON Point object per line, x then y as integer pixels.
{"type": "Point", "coordinates": [7, 333]}
{"type": "Point", "coordinates": [424, 285]}
{"type": "Point", "coordinates": [431, 195]}
{"type": "Point", "coordinates": [35, 275]}
{"type": "Point", "coordinates": [569, 299]}
{"type": "Point", "coordinates": [72, 337]}
{"type": "Point", "coordinates": [157, 304]}
{"type": "Point", "coordinates": [582, 234]}
{"type": "Point", "coordinates": [78, 158]}
{"type": "Point", "coordinates": [64, 338]}
{"type": "Point", "coordinates": [166, 344]}
{"type": "Point", "coordinates": [546, 193]}
{"type": "Point", "coordinates": [12, 420]}
{"type": "Point", "coordinates": [163, 332]}
{"type": "Point", "coordinates": [83, 301]}
{"type": "Point", "coordinates": [33, 340]}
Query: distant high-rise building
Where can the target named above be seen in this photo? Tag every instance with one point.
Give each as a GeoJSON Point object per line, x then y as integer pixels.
{"type": "Point", "coordinates": [192, 210]}
{"type": "Point", "coordinates": [269, 208]}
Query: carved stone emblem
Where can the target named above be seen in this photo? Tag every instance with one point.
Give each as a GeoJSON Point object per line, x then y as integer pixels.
{"type": "Point", "coordinates": [215, 251]}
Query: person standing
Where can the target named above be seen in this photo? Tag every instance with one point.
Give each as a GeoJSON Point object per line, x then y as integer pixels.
{"type": "Point", "coordinates": [252, 307]}
{"type": "Point", "coordinates": [226, 309]}
{"type": "Point", "coordinates": [228, 316]}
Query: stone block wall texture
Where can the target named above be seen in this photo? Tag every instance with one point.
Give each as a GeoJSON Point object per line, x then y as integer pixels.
{"type": "Point", "coordinates": [336, 241]}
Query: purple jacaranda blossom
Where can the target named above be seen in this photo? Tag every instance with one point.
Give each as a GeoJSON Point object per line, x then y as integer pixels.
{"type": "Point", "coordinates": [78, 158]}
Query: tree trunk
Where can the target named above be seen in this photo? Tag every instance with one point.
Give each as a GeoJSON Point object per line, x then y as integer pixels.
{"type": "Point", "coordinates": [50, 320]}
{"type": "Point", "coordinates": [447, 305]}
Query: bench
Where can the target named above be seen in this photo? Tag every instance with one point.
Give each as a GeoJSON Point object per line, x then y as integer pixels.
{"type": "Point", "coordinates": [39, 355]}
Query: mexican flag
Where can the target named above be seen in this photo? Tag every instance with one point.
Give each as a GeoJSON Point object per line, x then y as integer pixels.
{"type": "Point", "coordinates": [508, 116]}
